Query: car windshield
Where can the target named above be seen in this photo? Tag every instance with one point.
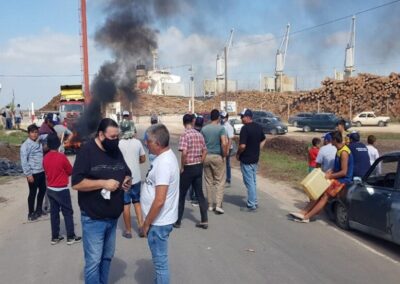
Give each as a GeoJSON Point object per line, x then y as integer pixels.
{"type": "Point", "coordinates": [71, 108]}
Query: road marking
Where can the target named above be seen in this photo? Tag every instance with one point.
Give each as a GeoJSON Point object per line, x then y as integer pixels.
{"type": "Point", "coordinates": [367, 247]}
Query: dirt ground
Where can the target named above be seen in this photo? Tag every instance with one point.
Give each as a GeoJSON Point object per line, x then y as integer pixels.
{"type": "Point", "coordinates": [9, 152]}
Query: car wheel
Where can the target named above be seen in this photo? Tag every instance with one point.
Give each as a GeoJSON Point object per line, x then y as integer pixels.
{"type": "Point", "coordinates": [381, 124]}
{"type": "Point", "coordinates": [358, 124]}
{"type": "Point", "coordinates": [342, 216]}
{"type": "Point", "coordinates": [295, 124]}
{"type": "Point", "coordinates": [274, 131]}
{"type": "Point", "coordinates": [306, 128]}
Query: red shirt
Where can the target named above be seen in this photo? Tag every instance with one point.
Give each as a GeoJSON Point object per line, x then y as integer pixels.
{"type": "Point", "coordinates": [193, 143]}
{"type": "Point", "coordinates": [312, 156]}
{"type": "Point", "coordinates": [57, 169]}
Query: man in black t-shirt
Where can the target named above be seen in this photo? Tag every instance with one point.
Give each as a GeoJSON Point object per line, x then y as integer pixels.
{"type": "Point", "coordinates": [251, 140]}
{"type": "Point", "coordinates": [100, 175]}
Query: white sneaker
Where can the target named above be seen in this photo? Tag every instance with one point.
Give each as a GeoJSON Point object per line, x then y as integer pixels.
{"type": "Point", "coordinates": [210, 209]}
{"type": "Point", "coordinates": [219, 210]}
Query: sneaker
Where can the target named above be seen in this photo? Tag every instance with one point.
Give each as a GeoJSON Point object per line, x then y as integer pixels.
{"type": "Point", "coordinates": [32, 217]}
{"type": "Point", "coordinates": [227, 184]}
{"type": "Point", "coordinates": [177, 225]}
{"type": "Point", "coordinates": [210, 209]}
{"type": "Point", "coordinates": [57, 240]}
{"type": "Point", "coordinates": [73, 240]}
{"type": "Point", "coordinates": [195, 204]}
{"type": "Point", "coordinates": [219, 210]}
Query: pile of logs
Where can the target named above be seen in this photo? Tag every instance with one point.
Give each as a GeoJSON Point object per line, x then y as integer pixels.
{"type": "Point", "coordinates": [344, 98]}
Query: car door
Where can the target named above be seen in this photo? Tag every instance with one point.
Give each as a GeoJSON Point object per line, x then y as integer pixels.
{"type": "Point", "coordinates": [370, 201]}
{"type": "Point", "coordinates": [371, 119]}
{"type": "Point", "coordinates": [363, 118]}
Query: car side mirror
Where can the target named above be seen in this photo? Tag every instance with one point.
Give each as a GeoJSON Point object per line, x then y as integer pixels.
{"type": "Point", "coordinates": [357, 180]}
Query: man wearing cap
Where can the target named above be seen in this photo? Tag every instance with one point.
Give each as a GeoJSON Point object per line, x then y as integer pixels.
{"type": "Point", "coordinates": [193, 153]}
{"type": "Point", "coordinates": [229, 134]}
{"type": "Point", "coordinates": [326, 155]}
{"type": "Point", "coordinates": [126, 124]}
{"type": "Point", "coordinates": [214, 164]}
{"type": "Point", "coordinates": [133, 152]}
{"type": "Point", "coordinates": [360, 155]}
{"type": "Point", "coordinates": [251, 140]}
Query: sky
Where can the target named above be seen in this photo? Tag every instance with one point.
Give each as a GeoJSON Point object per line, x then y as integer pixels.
{"type": "Point", "coordinates": [40, 44]}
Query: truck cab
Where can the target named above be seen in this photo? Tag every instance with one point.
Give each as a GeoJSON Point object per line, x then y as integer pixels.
{"type": "Point", "coordinates": [72, 104]}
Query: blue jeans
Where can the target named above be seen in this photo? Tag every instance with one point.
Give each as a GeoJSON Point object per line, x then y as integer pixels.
{"type": "Point", "coordinates": [228, 168]}
{"type": "Point", "coordinates": [133, 194]}
{"type": "Point", "coordinates": [98, 247]}
{"type": "Point", "coordinates": [157, 238]}
{"type": "Point", "coordinates": [61, 200]}
{"type": "Point", "coordinates": [249, 172]}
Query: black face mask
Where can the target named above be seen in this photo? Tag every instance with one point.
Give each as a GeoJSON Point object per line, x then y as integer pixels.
{"type": "Point", "coordinates": [111, 146]}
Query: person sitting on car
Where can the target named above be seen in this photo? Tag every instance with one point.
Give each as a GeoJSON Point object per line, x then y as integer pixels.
{"type": "Point", "coordinates": [341, 176]}
{"type": "Point", "coordinates": [360, 155]}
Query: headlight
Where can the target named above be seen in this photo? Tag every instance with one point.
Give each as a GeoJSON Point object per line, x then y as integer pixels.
{"type": "Point", "coordinates": [279, 127]}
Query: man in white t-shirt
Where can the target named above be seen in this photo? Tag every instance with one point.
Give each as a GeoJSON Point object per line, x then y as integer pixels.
{"type": "Point", "coordinates": [230, 134]}
{"type": "Point", "coordinates": [373, 152]}
{"type": "Point", "coordinates": [134, 155]}
{"type": "Point", "coordinates": [326, 155]}
{"type": "Point", "coordinates": [159, 199]}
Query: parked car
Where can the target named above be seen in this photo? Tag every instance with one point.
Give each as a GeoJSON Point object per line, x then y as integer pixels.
{"type": "Point", "coordinates": [321, 121]}
{"type": "Point", "coordinates": [271, 125]}
{"type": "Point", "coordinates": [236, 124]}
{"type": "Point", "coordinates": [206, 116]}
{"type": "Point", "coordinates": [294, 119]}
{"type": "Point", "coordinates": [369, 118]}
{"type": "Point", "coordinates": [372, 204]}
{"type": "Point", "coordinates": [262, 113]}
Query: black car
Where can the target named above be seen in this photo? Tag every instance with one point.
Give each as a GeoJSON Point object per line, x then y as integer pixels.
{"type": "Point", "coordinates": [271, 125]}
{"type": "Point", "coordinates": [372, 204]}
{"type": "Point", "coordinates": [262, 113]}
{"type": "Point", "coordinates": [294, 119]}
{"type": "Point", "coordinates": [321, 121]}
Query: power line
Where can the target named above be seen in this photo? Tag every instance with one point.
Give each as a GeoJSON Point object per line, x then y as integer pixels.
{"type": "Point", "coordinates": [321, 24]}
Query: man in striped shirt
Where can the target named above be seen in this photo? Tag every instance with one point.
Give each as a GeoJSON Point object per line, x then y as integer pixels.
{"type": "Point", "coordinates": [194, 151]}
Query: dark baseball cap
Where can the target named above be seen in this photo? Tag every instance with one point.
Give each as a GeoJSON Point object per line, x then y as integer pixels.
{"type": "Point", "coordinates": [246, 112]}
{"type": "Point", "coordinates": [327, 136]}
{"type": "Point", "coordinates": [354, 136]}
{"type": "Point", "coordinates": [199, 121]}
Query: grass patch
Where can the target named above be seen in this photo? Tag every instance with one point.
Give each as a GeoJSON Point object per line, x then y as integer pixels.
{"type": "Point", "coordinates": [282, 167]}
{"type": "Point", "coordinates": [15, 138]}
{"type": "Point", "coordinates": [381, 135]}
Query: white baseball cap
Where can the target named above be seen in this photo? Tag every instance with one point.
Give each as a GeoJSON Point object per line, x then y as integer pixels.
{"type": "Point", "coordinates": [125, 112]}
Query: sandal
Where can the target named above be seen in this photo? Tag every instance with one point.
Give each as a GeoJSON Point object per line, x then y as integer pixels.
{"type": "Point", "coordinates": [127, 235]}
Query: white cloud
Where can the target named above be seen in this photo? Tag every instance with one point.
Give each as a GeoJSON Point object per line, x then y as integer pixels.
{"type": "Point", "coordinates": [337, 39]}
{"type": "Point", "coordinates": [175, 49]}
{"type": "Point", "coordinates": [47, 53]}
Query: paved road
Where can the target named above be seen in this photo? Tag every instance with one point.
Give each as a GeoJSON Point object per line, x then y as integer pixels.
{"type": "Point", "coordinates": [239, 247]}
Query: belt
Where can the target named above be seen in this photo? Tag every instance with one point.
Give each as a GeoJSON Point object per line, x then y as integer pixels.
{"type": "Point", "coordinates": [192, 164]}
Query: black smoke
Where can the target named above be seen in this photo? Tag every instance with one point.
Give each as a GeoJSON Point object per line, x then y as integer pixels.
{"type": "Point", "coordinates": [129, 35]}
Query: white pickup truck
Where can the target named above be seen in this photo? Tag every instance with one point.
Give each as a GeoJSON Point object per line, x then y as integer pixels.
{"type": "Point", "coordinates": [369, 118]}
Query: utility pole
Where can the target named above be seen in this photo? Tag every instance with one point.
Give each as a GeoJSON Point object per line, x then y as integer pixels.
{"type": "Point", "coordinates": [226, 79]}
{"type": "Point", "coordinates": [192, 86]}
{"type": "Point", "coordinates": [85, 55]}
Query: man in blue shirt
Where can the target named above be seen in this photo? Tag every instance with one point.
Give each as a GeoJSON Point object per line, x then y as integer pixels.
{"type": "Point", "coordinates": [360, 155]}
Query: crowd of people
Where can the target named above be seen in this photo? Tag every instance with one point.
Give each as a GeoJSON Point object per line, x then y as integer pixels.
{"type": "Point", "coordinates": [342, 158]}
{"type": "Point", "coordinates": [11, 117]}
{"type": "Point", "coordinates": [106, 174]}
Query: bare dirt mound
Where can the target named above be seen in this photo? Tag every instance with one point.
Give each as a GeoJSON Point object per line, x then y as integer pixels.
{"type": "Point", "coordinates": [52, 105]}
{"type": "Point", "coordinates": [9, 152]}
{"type": "Point", "coordinates": [290, 146]}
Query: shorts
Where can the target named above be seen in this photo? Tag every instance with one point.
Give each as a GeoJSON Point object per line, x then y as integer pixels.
{"type": "Point", "coordinates": [335, 188]}
{"type": "Point", "coordinates": [133, 194]}
{"type": "Point", "coordinates": [17, 120]}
